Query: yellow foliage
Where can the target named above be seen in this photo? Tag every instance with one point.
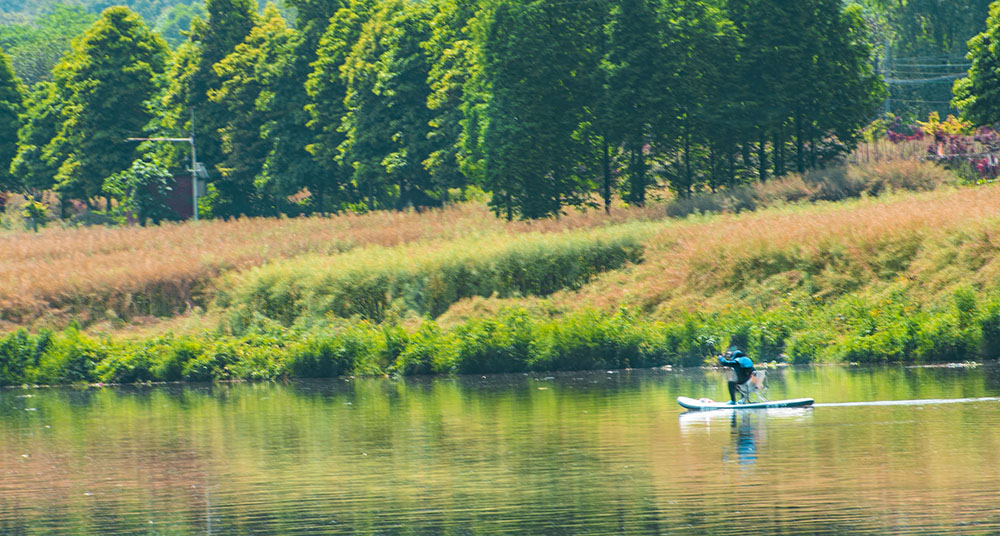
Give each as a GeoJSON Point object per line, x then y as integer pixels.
{"type": "Point", "coordinates": [951, 125]}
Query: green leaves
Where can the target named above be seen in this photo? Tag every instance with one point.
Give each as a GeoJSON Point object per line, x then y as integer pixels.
{"type": "Point", "coordinates": [978, 95]}
{"type": "Point", "coordinates": [107, 79]}
{"type": "Point", "coordinates": [143, 190]}
{"type": "Point", "coordinates": [11, 103]}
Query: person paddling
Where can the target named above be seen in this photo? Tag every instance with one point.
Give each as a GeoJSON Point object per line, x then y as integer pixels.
{"type": "Point", "coordinates": [741, 365]}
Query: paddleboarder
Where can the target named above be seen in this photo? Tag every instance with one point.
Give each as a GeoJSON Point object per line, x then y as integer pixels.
{"type": "Point", "coordinates": [741, 365]}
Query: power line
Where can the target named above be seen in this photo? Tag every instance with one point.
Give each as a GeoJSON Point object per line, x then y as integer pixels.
{"type": "Point", "coordinates": [913, 81]}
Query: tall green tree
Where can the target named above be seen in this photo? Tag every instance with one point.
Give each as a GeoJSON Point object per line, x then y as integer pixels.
{"type": "Point", "coordinates": [538, 64]}
{"type": "Point", "coordinates": [851, 90]}
{"type": "Point", "coordinates": [192, 75]}
{"type": "Point", "coordinates": [326, 88]}
{"type": "Point", "coordinates": [978, 95]}
{"type": "Point", "coordinates": [248, 77]}
{"type": "Point", "coordinates": [35, 48]}
{"type": "Point", "coordinates": [450, 51]}
{"type": "Point", "coordinates": [174, 23]}
{"type": "Point", "coordinates": [290, 168]}
{"type": "Point", "coordinates": [109, 78]}
{"type": "Point", "coordinates": [638, 88]}
{"type": "Point", "coordinates": [387, 122]}
{"type": "Point", "coordinates": [34, 165]}
{"type": "Point", "coordinates": [12, 95]}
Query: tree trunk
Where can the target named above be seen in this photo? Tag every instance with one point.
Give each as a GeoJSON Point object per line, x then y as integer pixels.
{"type": "Point", "coordinates": [800, 160]}
{"type": "Point", "coordinates": [606, 164]}
{"type": "Point", "coordinates": [762, 157]}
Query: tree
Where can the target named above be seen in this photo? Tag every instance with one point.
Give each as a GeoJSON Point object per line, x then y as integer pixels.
{"type": "Point", "coordinates": [289, 168]}
{"type": "Point", "coordinates": [386, 124]}
{"type": "Point", "coordinates": [11, 105]}
{"type": "Point", "coordinates": [173, 23]}
{"type": "Point", "coordinates": [696, 121]}
{"type": "Point", "coordinates": [192, 75]}
{"type": "Point", "coordinates": [34, 164]}
{"type": "Point", "coordinates": [978, 95]}
{"type": "Point", "coordinates": [450, 51]}
{"type": "Point", "coordinates": [635, 64]}
{"type": "Point", "coordinates": [405, 89]}
{"type": "Point", "coordinates": [108, 79]}
{"type": "Point", "coordinates": [35, 48]}
{"type": "Point", "coordinates": [326, 87]}
{"type": "Point", "coordinates": [143, 190]}
{"type": "Point", "coordinates": [538, 64]}
{"type": "Point", "coordinates": [247, 79]}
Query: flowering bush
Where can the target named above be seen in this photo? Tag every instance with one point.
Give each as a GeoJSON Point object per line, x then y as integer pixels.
{"type": "Point", "coordinates": [973, 153]}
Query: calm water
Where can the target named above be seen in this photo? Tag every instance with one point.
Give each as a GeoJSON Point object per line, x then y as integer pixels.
{"type": "Point", "coordinates": [574, 453]}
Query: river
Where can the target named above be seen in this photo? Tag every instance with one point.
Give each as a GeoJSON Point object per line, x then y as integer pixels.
{"type": "Point", "coordinates": [891, 450]}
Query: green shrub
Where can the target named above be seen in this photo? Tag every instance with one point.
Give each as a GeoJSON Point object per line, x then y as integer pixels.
{"type": "Point", "coordinates": [334, 353]}
{"type": "Point", "coordinates": [126, 364]}
{"type": "Point", "coordinates": [429, 351]}
{"type": "Point", "coordinates": [808, 346]}
{"type": "Point", "coordinates": [19, 352]}
{"type": "Point", "coordinates": [72, 357]}
{"type": "Point", "coordinates": [691, 341]}
{"type": "Point", "coordinates": [990, 329]}
{"type": "Point", "coordinates": [502, 344]}
{"type": "Point", "coordinates": [589, 340]}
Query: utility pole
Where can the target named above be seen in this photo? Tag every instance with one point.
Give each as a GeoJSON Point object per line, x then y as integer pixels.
{"type": "Point", "coordinates": [887, 75]}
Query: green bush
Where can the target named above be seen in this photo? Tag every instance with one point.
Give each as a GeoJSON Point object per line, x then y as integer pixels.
{"type": "Point", "coordinates": [502, 344]}
{"type": "Point", "coordinates": [990, 329]}
{"type": "Point", "coordinates": [335, 353]}
{"type": "Point", "coordinates": [72, 357]}
{"type": "Point", "coordinates": [19, 352]}
{"type": "Point", "coordinates": [589, 340]}
{"type": "Point", "coordinates": [126, 364]}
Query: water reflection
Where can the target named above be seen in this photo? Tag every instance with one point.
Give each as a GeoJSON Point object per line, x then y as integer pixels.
{"type": "Point", "coordinates": [747, 429]}
{"type": "Point", "coordinates": [572, 453]}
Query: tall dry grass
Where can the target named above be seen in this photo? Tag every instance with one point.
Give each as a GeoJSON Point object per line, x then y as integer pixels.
{"type": "Point", "coordinates": [934, 240]}
{"type": "Point", "coordinates": [90, 273]}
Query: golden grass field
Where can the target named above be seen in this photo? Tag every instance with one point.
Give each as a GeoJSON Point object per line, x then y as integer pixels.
{"type": "Point", "coordinates": [58, 273]}
{"type": "Point", "coordinates": [952, 236]}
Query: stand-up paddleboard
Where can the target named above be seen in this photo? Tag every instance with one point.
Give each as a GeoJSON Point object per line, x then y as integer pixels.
{"type": "Point", "coordinates": [704, 403]}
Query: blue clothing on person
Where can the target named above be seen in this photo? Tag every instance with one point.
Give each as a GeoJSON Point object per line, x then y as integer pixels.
{"type": "Point", "coordinates": [742, 365]}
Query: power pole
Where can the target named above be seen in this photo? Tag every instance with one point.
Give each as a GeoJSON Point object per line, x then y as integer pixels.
{"type": "Point", "coordinates": [887, 75]}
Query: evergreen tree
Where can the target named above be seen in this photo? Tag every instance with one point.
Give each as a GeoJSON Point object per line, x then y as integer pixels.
{"type": "Point", "coordinates": [11, 105]}
{"type": "Point", "coordinates": [108, 79]}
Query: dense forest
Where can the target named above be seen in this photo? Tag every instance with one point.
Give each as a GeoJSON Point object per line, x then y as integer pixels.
{"type": "Point", "coordinates": [330, 105]}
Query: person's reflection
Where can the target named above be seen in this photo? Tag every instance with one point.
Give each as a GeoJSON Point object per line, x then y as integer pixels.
{"type": "Point", "coordinates": [744, 438]}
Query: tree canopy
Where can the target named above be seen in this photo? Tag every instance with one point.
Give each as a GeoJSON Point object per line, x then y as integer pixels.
{"type": "Point", "coordinates": [389, 104]}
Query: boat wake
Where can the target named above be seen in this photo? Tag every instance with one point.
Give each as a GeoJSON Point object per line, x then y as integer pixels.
{"type": "Point", "coordinates": [921, 402]}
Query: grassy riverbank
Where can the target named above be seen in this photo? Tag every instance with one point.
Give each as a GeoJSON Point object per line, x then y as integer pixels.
{"type": "Point", "coordinates": [905, 277]}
